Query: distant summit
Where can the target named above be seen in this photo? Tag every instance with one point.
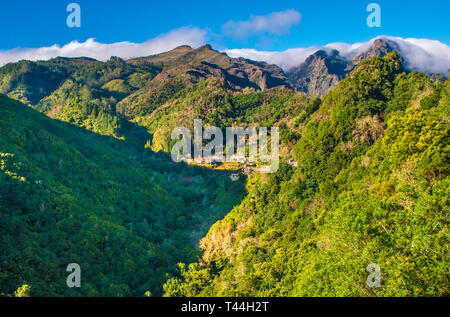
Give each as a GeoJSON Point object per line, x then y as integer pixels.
{"type": "Point", "coordinates": [323, 70]}
{"type": "Point", "coordinates": [182, 49]}
{"type": "Point", "coordinates": [319, 73]}
{"type": "Point", "coordinates": [379, 48]}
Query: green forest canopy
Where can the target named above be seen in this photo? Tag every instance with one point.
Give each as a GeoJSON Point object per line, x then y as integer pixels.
{"type": "Point", "coordinates": [371, 186]}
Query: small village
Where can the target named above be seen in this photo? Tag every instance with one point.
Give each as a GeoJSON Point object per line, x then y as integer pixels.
{"type": "Point", "coordinates": [238, 163]}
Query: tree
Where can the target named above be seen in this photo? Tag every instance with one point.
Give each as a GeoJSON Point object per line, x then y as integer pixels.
{"type": "Point", "coordinates": [23, 291]}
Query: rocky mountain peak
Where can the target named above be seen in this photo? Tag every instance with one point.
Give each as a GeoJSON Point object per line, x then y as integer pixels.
{"type": "Point", "coordinates": [380, 48]}
{"type": "Point", "coordinates": [323, 70]}
{"type": "Point", "coordinates": [182, 49]}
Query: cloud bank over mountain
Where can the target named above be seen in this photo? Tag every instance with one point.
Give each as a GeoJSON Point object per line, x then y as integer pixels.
{"type": "Point", "coordinates": [423, 55]}
{"type": "Point", "coordinates": [183, 36]}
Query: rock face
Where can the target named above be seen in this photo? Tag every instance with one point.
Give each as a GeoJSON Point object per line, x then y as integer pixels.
{"type": "Point", "coordinates": [379, 48]}
{"type": "Point", "coordinates": [319, 73]}
{"type": "Point", "coordinates": [322, 71]}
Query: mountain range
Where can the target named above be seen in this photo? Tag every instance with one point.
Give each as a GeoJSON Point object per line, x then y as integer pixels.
{"type": "Point", "coordinates": [144, 77]}
{"type": "Point", "coordinates": [86, 177]}
{"type": "Point", "coordinates": [106, 96]}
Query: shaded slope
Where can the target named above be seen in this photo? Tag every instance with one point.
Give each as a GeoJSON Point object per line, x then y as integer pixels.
{"type": "Point", "coordinates": [68, 195]}
{"type": "Point", "coordinates": [31, 81]}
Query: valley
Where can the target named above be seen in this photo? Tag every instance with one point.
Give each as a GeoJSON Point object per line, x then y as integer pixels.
{"type": "Point", "coordinates": [86, 176]}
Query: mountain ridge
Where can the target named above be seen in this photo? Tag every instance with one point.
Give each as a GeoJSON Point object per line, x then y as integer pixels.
{"type": "Point", "coordinates": [199, 64]}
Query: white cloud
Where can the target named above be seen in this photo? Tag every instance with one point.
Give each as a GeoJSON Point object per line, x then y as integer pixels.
{"type": "Point", "coordinates": [286, 59]}
{"type": "Point", "coordinates": [277, 23]}
{"type": "Point", "coordinates": [184, 36]}
{"type": "Point", "coordinates": [423, 55]}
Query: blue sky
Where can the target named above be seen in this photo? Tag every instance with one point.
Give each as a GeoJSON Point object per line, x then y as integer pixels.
{"type": "Point", "coordinates": [43, 23]}
{"type": "Point", "coordinates": [282, 32]}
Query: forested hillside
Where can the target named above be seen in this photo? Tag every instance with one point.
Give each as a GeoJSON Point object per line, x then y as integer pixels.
{"type": "Point", "coordinates": [126, 215]}
{"type": "Point", "coordinates": [372, 186]}
{"type": "Point", "coordinates": [31, 81]}
{"type": "Point", "coordinates": [86, 177]}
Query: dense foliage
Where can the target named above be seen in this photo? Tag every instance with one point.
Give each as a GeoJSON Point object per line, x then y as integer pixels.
{"type": "Point", "coordinates": [70, 196]}
{"type": "Point", "coordinates": [372, 186]}
{"type": "Point", "coordinates": [31, 81]}
{"type": "Point", "coordinates": [99, 189]}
